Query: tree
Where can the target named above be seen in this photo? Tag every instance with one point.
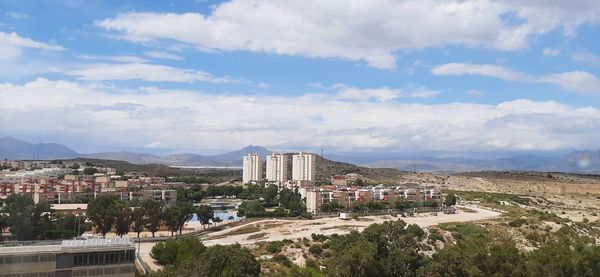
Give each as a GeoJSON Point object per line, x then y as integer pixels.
{"type": "Point", "coordinates": [170, 217]}
{"type": "Point", "coordinates": [65, 226]}
{"type": "Point", "coordinates": [450, 200]}
{"type": "Point", "coordinates": [171, 251]}
{"type": "Point", "coordinates": [184, 212]}
{"type": "Point", "coordinates": [123, 219]}
{"type": "Point", "coordinates": [138, 216]}
{"type": "Point", "coordinates": [4, 223]}
{"type": "Point", "coordinates": [102, 212]}
{"type": "Point", "coordinates": [90, 171]}
{"type": "Point", "coordinates": [251, 208]}
{"type": "Point", "coordinates": [359, 260]}
{"type": "Point", "coordinates": [204, 213]}
{"type": "Point", "coordinates": [230, 260]}
{"type": "Point", "coordinates": [153, 214]}
{"type": "Point", "coordinates": [21, 209]}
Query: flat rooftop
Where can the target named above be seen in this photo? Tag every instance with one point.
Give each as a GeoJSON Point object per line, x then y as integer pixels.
{"type": "Point", "coordinates": [58, 246]}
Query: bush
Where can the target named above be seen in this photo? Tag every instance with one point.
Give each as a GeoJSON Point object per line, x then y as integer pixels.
{"type": "Point", "coordinates": [517, 222]}
{"type": "Point", "coordinates": [282, 259]}
{"type": "Point", "coordinates": [274, 247]}
{"type": "Point", "coordinates": [173, 251]}
{"type": "Point", "coordinates": [318, 237]}
{"type": "Point", "coordinates": [315, 250]}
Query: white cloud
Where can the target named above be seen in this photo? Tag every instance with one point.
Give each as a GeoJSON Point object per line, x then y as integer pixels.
{"type": "Point", "coordinates": [552, 52]}
{"type": "Point", "coordinates": [578, 81]}
{"type": "Point", "coordinates": [192, 120]}
{"type": "Point", "coordinates": [117, 58]}
{"type": "Point", "coordinates": [587, 58]}
{"type": "Point", "coordinates": [17, 15]}
{"type": "Point", "coordinates": [356, 30]}
{"type": "Point", "coordinates": [378, 94]}
{"type": "Point", "coordinates": [11, 45]}
{"type": "Point", "coordinates": [145, 72]}
{"type": "Point", "coordinates": [163, 55]}
{"type": "Point", "coordinates": [488, 70]}
{"type": "Point", "coordinates": [422, 92]}
{"type": "Point", "coordinates": [475, 93]}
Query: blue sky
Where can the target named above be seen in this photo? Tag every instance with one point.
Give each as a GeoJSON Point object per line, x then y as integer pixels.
{"type": "Point", "coordinates": [208, 76]}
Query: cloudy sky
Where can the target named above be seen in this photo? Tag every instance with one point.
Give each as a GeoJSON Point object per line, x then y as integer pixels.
{"type": "Point", "coordinates": [353, 75]}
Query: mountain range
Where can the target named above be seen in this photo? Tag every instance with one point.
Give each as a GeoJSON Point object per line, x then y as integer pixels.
{"type": "Point", "coordinates": [577, 161]}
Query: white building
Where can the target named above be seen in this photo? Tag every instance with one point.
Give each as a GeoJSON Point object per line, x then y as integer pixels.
{"type": "Point", "coordinates": [303, 167]}
{"type": "Point", "coordinates": [277, 167]}
{"type": "Point", "coordinates": [252, 168]}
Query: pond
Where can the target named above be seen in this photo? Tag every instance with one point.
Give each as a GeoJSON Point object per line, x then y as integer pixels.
{"type": "Point", "coordinates": [222, 214]}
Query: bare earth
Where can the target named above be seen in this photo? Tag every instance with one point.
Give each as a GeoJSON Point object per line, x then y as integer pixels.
{"type": "Point", "coordinates": [279, 229]}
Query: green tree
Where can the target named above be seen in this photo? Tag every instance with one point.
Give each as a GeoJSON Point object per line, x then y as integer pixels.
{"type": "Point", "coordinates": [230, 260]}
{"type": "Point", "coordinates": [138, 216]}
{"type": "Point", "coordinates": [358, 260]}
{"type": "Point", "coordinates": [184, 212]}
{"type": "Point", "coordinates": [123, 218]}
{"type": "Point", "coordinates": [21, 210]}
{"type": "Point", "coordinates": [153, 214]}
{"type": "Point", "coordinates": [90, 171]}
{"type": "Point", "coordinates": [450, 199]}
{"type": "Point", "coordinates": [171, 251]}
{"type": "Point", "coordinates": [102, 211]}
{"type": "Point", "coordinates": [251, 208]}
{"type": "Point", "coordinates": [204, 213]}
{"type": "Point", "coordinates": [171, 218]}
{"type": "Point", "coordinates": [4, 223]}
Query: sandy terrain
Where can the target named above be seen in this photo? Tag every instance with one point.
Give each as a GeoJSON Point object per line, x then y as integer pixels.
{"type": "Point", "coordinates": [279, 229]}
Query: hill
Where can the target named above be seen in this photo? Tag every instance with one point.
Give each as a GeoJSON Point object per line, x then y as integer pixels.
{"type": "Point", "coordinates": [14, 149]}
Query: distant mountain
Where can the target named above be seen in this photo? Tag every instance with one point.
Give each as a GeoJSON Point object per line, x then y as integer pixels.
{"type": "Point", "coordinates": [130, 157]}
{"type": "Point", "coordinates": [187, 159]}
{"type": "Point", "coordinates": [578, 162]}
{"type": "Point", "coordinates": [14, 149]}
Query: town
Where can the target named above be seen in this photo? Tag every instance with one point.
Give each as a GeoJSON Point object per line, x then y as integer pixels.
{"type": "Point", "coordinates": [253, 138]}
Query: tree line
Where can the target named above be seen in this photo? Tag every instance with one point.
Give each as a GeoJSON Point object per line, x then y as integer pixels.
{"type": "Point", "coordinates": [108, 212]}
{"type": "Point", "coordinates": [29, 221]}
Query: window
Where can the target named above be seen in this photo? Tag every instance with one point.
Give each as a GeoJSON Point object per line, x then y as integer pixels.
{"type": "Point", "coordinates": [95, 271]}
{"type": "Point", "coordinates": [80, 272]}
{"type": "Point", "coordinates": [47, 258]}
{"type": "Point", "coordinates": [126, 269]}
{"type": "Point", "coordinates": [31, 259]}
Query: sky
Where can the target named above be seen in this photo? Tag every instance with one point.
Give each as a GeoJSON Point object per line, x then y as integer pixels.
{"type": "Point", "coordinates": [345, 76]}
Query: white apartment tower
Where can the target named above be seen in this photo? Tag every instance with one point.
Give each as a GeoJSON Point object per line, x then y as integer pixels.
{"type": "Point", "coordinates": [277, 167]}
{"type": "Point", "coordinates": [252, 168]}
{"type": "Point", "coordinates": [303, 167]}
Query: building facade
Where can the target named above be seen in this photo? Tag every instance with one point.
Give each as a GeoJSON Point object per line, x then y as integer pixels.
{"type": "Point", "coordinates": [68, 258]}
{"type": "Point", "coordinates": [277, 168]}
{"type": "Point", "coordinates": [303, 167]}
{"type": "Point", "coordinates": [252, 168]}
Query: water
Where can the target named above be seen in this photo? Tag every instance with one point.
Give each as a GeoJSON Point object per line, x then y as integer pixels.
{"type": "Point", "coordinates": [222, 214]}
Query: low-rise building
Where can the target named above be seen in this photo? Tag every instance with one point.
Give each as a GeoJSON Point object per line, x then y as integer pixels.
{"type": "Point", "coordinates": [82, 257]}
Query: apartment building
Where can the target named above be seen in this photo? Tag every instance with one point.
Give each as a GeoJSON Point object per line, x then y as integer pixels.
{"type": "Point", "coordinates": [347, 196]}
{"type": "Point", "coordinates": [67, 258]}
{"type": "Point", "coordinates": [303, 167]}
{"type": "Point", "coordinates": [252, 168]}
{"type": "Point", "coordinates": [277, 168]}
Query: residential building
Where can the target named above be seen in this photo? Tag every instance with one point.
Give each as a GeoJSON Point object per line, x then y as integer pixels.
{"type": "Point", "coordinates": [252, 168]}
{"type": "Point", "coordinates": [277, 168]}
{"type": "Point", "coordinates": [82, 257]}
{"type": "Point", "coordinates": [303, 167]}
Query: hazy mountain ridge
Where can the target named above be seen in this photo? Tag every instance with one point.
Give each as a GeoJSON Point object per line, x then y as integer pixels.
{"type": "Point", "coordinates": [576, 161]}
{"type": "Point", "coordinates": [14, 149]}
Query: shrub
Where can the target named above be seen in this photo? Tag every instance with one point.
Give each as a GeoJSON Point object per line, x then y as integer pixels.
{"type": "Point", "coordinates": [315, 250]}
{"type": "Point", "coordinates": [282, 259]}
